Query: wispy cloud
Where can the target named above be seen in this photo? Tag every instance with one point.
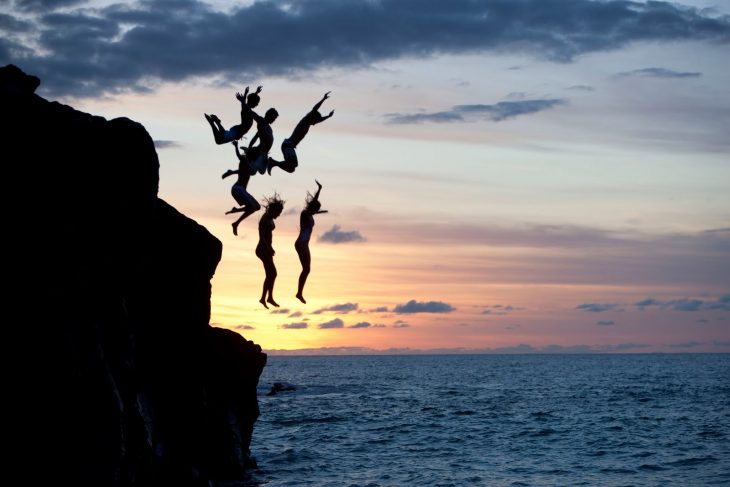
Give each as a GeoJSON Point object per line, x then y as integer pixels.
{"type": "Point", "coordinates": [500, 309]}
{"type": "Point", "coordinates": [279, 311]}
{"type": "Point", "coordinates": [166, 144]}
{"type": "Point", "coordinates": [464, 113]}
{"type": "Point", "coordinates": [294, 326]}
{"type": "Point", "coordinates": [687, 304]}
{"type": "Point", "coordinates": [605, 323]}
{"type": "Point", "coordinates": [296, 314]}
{"type": "Point", "coordinates": [414, 306]}
{"type": "Point", "coordinates": [362, 324]}
{"type": "Point", "coordinates": [243, 327]}
{"type": "Point", "coordinates": [658, 73]}
{"type": "Point", "coordinates": [337, 235]}
{"type": "Point", "coordinates": [343, 308]}
{"type": "Point", "coordinates": [598, 307]}
{"type": "Point", "coordinates": [401, 324]}
{"type": "Point", "coordinates": [336, 323]}
{"type": "Point", "coordinates": [90, 51]}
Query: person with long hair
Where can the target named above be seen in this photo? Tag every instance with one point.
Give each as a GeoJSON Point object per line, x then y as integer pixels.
{"type": "Point", "coordinates": [306, 224]}
{"type": "Point", "coordinates": [265, 251]}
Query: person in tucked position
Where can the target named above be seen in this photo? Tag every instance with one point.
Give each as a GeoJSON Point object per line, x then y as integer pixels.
{"type": "Point", "coordinates": [289, 146]}
{"type": "Point", "coordinates": [236, 132]}
{"type": "Point", "coordinates": [265, 251]}
{"type": "Point", "coordinates": [306, 224]}
{"type": "Point", "coordinates": [239, 190]}
{"type": "Point", "coordinates": [259, 155]}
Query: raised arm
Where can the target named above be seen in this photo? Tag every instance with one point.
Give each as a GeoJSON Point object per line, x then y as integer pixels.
{"type": "Point", "coordinates": [319, 103]}
{"type": "Point", "coordinates": [319, 190]}
{"type": "Point", "coordinates": [324, 118]}
{"type": "Point", "coordinates": [242, 98]}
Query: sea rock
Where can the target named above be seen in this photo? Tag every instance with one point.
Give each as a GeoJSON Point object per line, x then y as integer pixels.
{"type": "Point", "coordinates": [119, 378]}
{"type": "Point", "coordinates": [278, 387]}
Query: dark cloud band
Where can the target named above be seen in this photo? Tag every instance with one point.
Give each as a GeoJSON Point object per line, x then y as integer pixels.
{"type": "Point", "coordinates": [132, 47]}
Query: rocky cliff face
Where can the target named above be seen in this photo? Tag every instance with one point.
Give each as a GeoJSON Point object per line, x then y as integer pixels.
{"type": "Point", "coordinates": [121, 380]}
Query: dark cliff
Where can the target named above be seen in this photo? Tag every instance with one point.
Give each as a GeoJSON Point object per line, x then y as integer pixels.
{"type": "Point", "coordinates": [120, 379]}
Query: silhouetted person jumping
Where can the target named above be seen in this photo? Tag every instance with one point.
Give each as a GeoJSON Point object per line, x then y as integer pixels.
{"type": "Point", "coordinates": [239, 190]}
{"type": "Point", "coordinates": [265, 251]}
{"type": "Point", "coordinates": [223, 136]}
{"type": "Point", "coordinates": [288, 147]}
{"type": "Point", "coordinates": [265, 136]}
{"type": "Point", "coordinates": [306, 224]}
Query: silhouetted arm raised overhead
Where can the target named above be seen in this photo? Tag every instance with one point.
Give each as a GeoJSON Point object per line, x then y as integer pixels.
{"type": "Point", "coordinates": [316, 197]}
{"type": "Point", "coordinates": [319, 103]}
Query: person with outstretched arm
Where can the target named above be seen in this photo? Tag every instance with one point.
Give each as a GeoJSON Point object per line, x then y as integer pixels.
{"type": "Point", "coordinates": [306, 224]}
{"type": "Point", "coordinates": [289, 146]}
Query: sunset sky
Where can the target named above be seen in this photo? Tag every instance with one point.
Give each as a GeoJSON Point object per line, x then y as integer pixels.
{"type": "Point", "coordinates": [500, 175]}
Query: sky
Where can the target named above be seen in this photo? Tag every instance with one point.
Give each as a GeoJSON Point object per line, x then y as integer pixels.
{"type": "Point", "coordinates": [501, 176]}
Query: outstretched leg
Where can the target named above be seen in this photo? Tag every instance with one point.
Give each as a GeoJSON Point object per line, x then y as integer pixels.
{"type": "Point", "coordinates": [290, 162]}
{"type": "Point", "coordinates": [246, 213]}
{"type": "Point", "coordinates": [217, 129]}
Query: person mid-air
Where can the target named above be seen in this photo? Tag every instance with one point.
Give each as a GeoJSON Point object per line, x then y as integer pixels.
{"type": "Point", "coordinates": [265, 251]}
{"type": "Point", "coordinates": [239, 190]}
{"type": "Point", "coordinates": [289, 146]}
{"type": "Point", "coordinates": [306, 224]}
{"type": "Point", "coordinates": [236, 132]}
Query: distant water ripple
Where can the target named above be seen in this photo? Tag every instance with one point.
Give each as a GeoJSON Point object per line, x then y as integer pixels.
{"type": "Point", "coordinates": [510, 420]}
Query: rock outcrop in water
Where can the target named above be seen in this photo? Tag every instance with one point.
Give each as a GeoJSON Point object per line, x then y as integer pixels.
{"type": "Point", "coordinates": [119, 380]}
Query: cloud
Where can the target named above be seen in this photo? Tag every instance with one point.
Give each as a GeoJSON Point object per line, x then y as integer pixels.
{"type": "Point", "coordinates": [243, 327]}
{"type": "Point", "coordinates": [463, 113]}
{"type": "Point", "coordinates": [336, 323]}
{"type": "Point", "coordinates": [580, 88]}
{"type": "Point", "coordinates": [343, 308]}
{"type": "Point", "coordinates": [295, 314]}
{"type": "Point", "coordinates": [8, 23]}
{"type": "Point", "coordinates": [379, 325]}
{"type": "Point", "coordinates": [335, 235]}
{"type": "Point", "coordinates": [401, 324]}
{"type": "Point", "coordinates": [166, 144]}
{"type": "Point", "coordinates": [362, 324]}
{"type": "Point", "coordinates": [379, 309]}
{"type": "Point", "coordinates": [605, 322]}
{"type": "Point", "coordinates": [658, 73]}
{"type": "Point", "coordinates": [414, 306]}
{"type": "Point", "coordinates": [687, 304]}
{"type": "Point", "coordinates": [148, 42]}
{"type": "Point", "coordinates": [294, 326]}
{"type": "Point", "coordinates": [598, 307]}
{"type": "Point", "coordinates": [279, 311]}
{"type": "Point", "coordinates": [45, 5]}
{"type": "Point", "coordinates": [499, 309]}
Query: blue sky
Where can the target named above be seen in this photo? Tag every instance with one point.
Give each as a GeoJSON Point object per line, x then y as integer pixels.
{"type": "Point", "coordinates": [540, 155]}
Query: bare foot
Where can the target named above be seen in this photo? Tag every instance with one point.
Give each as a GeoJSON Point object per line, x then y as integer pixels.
{"type": "Point", "coordinates": [269, 166]}
{"type": "Point", "coordinates": [232, 210]}
{"type": "Point", "coordinates": [301, 298]}
{"type": "Point", "coordinates": [264, 303]}
{"type": "Point", "coordinates": [227, 173]}
{"type": "Point", "coordinates": [215, 118]}
{"type": "Point", "coordinates": [272, 302]}
{"type": "Point", "coordinates": [235, 230]}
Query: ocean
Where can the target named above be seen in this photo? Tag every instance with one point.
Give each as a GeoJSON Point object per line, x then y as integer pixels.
{"type": "Point", "coordinates": [494, 420]}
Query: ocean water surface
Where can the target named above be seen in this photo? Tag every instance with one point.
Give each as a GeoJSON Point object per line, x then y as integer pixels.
{"type": "Point", "coordinates": [495, 420]}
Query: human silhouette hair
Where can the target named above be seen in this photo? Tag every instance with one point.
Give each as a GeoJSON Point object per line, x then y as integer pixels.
{"type": "Point", "coordinates": [236, 132]}
{"type": "Point", "coordinates": [312, 206]}
{"type": "Point", "coordinates": [288, 147]}
{"type": "Point", "coordinates": [264, 250]}
{"type": "Point", "coordinates": [239, 190]}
